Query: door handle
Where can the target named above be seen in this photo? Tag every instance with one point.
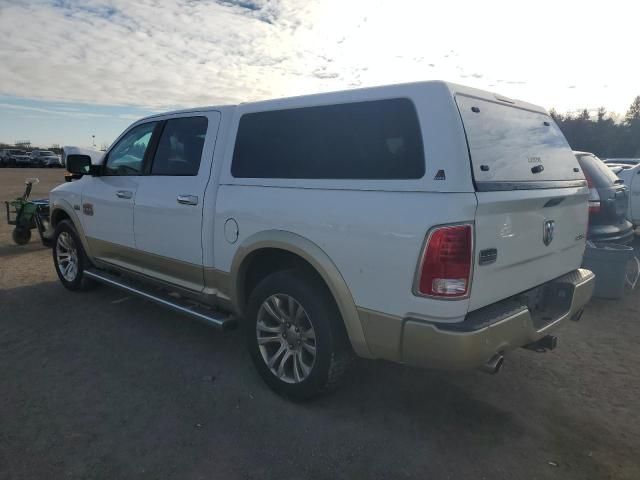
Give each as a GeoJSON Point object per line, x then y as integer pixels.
{"type": "Point", "coordinates": [188, 199]}
{"type": "Point", "coordinates": [124, 194]}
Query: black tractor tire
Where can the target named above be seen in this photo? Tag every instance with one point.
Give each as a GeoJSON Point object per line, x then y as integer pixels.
{"type": "Point", "coordinates": [21, 235]}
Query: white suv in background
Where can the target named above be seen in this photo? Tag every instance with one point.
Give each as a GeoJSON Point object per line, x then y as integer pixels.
{"type": "Point", "coordinates": [427, 223]}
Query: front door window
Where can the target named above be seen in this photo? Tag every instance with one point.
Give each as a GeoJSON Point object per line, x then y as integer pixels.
{"type": "Point", "coordinates": [127, 157]}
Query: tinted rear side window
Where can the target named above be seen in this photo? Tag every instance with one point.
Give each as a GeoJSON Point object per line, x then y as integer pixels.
{"type": "Point", "coordinates": [364, 140]}
{"type": "Point", "coordinates": [597, 171]}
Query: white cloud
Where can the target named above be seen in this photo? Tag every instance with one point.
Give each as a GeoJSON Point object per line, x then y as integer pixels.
{"type": "Point", "coordinates": [148, 53]}
{"type": "Point", "coordinates": [65, 112]}
{"type": "Point", "coordinates": [164, 53]}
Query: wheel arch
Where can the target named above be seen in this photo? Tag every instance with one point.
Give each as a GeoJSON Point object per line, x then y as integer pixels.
{"type": "Point", "coordinates": [62, 210]}
{"type": "Point", "coordinates": [289, 243]}
{"type": "Point", "coordinates": [57, 215]}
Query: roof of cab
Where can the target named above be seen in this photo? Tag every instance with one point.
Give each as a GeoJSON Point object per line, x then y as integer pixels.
{"type": "Point", "coordinates": [188, 110]}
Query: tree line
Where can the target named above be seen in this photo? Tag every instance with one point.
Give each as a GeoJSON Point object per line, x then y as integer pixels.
{"type": "Point", "coordinates": [603, 135]}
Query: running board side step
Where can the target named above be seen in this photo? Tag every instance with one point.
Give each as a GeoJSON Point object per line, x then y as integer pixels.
{"type": "Point", "coordinates": [216, 319]}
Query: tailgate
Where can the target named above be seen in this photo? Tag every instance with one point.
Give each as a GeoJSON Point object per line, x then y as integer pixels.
{"type": "Point", "coordinates": [534, 236]}
{"type": "Point", "coordinates": [532, 214]}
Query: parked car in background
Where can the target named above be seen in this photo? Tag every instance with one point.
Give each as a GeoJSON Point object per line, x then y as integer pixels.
{"type": "Point", "coordinates": [13, 157]}
{"type": "Point", "coordinates": [5, 158]}
{"type": "Point", "coordinates": [608, 202]}
{"type": "Point", "coordinates": [421, 223]}
{"type": "Point", "coordinates": [618, 167]}
{"type": "Point", "coordinates": [45, 158]}
{"type": "Point", "coordinates": [625, 161]}
{"type": "Point", "coordinates": [631, 178]}
{"type": "Point", "coordinates": [52, 161]}
{"type": "Point", "coordinates": [34, 158]}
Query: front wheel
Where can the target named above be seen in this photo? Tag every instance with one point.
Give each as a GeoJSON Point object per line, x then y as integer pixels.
{"type": "Point", "coordinates": [69, 257]}
{"type": "Point", "coordinates": [295, 335]}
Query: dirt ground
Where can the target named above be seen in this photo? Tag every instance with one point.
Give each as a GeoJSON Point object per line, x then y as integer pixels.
{"type": "Point", "coordinates": [102, 385]}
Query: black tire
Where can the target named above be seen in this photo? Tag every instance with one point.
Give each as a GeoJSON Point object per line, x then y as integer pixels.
{"type": "Point", "coordinates": [332, 349]}
{"type": "Point", "coordinates": [21, 236]}
{"type": "Point", "coordinates": [79, 281]}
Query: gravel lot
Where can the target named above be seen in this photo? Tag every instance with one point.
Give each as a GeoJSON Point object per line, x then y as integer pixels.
{"type": "Point", "coordinates": [102, 385]}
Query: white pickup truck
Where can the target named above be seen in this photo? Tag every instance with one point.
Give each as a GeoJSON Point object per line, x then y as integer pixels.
{"type": "Point", "coordinates": [427, 223]}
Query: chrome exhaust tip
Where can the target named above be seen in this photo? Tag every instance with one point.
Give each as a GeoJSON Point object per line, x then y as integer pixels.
{"type": "Point", "coordinates": [494, 365]}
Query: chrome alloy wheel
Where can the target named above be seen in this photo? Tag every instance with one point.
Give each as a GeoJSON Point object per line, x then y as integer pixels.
{"type": "Point", "coordinates": [286, 338]}
{"type": "Point", "coordinates": [67, 256]}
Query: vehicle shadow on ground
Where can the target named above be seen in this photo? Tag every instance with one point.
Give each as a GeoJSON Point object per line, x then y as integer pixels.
{"type": "Point", "coordinates": [110, 386]}
{"type": "Point", "coordinates": [13, 250]}
{"type": "Point", "coordinates": [103, 357]}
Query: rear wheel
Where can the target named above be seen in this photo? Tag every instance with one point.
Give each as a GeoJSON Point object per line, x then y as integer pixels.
{"type": "Point", "coordinates": [21, 235]}
{"type": "Point", "coordinates": [69, 257]}
{"type": "Point", "coordinates": [295, 335]}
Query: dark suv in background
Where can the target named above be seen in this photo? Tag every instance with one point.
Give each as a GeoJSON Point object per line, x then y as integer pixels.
{"type": "Point", "coordinates": [12, 157]}
{"type": "Point", "coordinates": [608, 202]}
{"type": "Point", "coordinates": [45, 158]}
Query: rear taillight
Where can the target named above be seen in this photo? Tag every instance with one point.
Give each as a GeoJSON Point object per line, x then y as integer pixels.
{"type": "Point", "coordinates": [445, 270]}
{"type": "Point", "coordinates": [594, 196]}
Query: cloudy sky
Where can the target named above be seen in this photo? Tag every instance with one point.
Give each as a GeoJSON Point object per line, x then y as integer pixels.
{"type": "Point", "coordinates": [70, 69]}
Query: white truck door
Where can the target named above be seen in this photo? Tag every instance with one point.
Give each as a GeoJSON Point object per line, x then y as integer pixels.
{"type": "Point", "coordinates": [108, 199]}
{"type": "Point", "coordinates": [631, 177]}
{"type": "Point", "coordinates": [169, 201]}
{"type": "Point", "coordinates": [634, 197]}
